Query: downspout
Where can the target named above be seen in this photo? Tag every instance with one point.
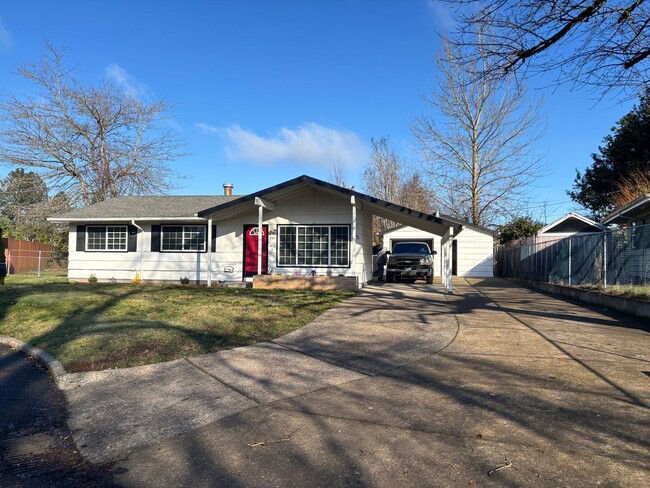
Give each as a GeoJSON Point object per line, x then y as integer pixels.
{"type": "Point", "coordinates": [209, 243]}
{"type": "Point", "coordinates": [141, 249]}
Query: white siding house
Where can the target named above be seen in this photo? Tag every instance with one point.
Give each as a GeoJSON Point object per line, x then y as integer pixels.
{"type": "Point", "coordinates": [307, 227]}
{"type": "Point", "coordinates": [472, 248]}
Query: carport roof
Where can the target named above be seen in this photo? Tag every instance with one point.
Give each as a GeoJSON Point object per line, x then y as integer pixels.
{"type": "Point", "coordinates": [437, 224]}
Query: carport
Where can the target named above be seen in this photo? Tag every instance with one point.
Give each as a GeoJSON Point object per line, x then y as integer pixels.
{"type": "Point", "coordinates": [444, 226]}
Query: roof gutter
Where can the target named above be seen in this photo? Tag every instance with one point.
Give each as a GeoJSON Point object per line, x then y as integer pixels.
{"type": "Point", "coordinates": [124, 219]}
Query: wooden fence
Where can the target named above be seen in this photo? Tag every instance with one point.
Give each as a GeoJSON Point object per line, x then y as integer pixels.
{"type": "Point", "coordinates": [26, 256]}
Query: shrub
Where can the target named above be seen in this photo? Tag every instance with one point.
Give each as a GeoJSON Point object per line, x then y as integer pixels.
{"type": "Point", "coordinates": [92, 279]}
{"type": "Point", "coordinates": [185, 280]}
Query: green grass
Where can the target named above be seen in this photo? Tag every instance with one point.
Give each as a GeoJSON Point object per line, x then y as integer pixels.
{"type": "Point", "coordinates": [91, 327]}
{"type": "Point", "coordinates": [626, 291]}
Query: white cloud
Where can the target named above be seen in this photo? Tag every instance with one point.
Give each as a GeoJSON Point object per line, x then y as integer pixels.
{"type": "Point", "coordinates": [129, 83]}
{"type": "Point", "coordinates": [310, 144]}
{"type": "Point", "coordinates": [443, 15]}
{"type": "Point", "coordinates": [6, 41]}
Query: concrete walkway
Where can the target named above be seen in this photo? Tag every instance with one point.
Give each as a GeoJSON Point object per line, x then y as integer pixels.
{"type": "Point", "coordinates": [533, 391]}
{"type": "Point", "coordinates": [113, 412]}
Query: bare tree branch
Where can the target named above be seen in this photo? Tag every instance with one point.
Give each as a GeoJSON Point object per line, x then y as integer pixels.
{"type": "Point", "coordinates": [477, 140]}
{"type": "Point", "coordinates": [93, 142]}
{"type": "Point", "coordinates": [601, 44]}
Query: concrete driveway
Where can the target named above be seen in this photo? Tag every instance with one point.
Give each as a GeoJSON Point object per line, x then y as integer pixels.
{"type": "Point", "coordinates": [531, 391]}
{"type": "Point", "coordinates": [115, 411]}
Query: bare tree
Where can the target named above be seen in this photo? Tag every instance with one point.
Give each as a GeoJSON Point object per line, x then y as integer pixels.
{"type": "Point", "coordinates": [93, 142]}
{"type": "Point", "coordinates": [604, 44]}
{"type": "Point", "coordinates": [337, 175]}
{"type": "Point", "coordinates": [388, 177]}
{"type": "Point", "coordinates": [629, 188]}
{"type": "Point", "coordinates": [477, 141]}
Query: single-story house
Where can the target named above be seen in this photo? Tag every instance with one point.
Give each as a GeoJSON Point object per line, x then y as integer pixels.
{"type": "Point", "coordinates": [472, 249]}
{"type": "Point", "coordinates": [302, 226]}
{"type": "Point", "coordinates": [637, 212]}
{"type": "Point", "coordinates": [571, 224]}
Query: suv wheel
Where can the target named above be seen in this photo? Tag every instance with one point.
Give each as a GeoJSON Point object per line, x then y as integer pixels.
{"type": "Point", "coordinates": [430, 279]}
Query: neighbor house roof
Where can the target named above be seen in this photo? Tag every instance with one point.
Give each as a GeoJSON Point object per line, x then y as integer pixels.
{"type": "Point", "coordinates": [145, 207]}
{"type": "Point", "coordinates": [572, 223]}
{"type": "Point", "coordinates": [638, 209]}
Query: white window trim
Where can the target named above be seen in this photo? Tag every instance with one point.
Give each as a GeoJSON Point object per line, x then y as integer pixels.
{"type": "Point", "coordinates": [329, 248]}
{"type": "Point", "coordinates": [105, 249]}
{"type": "Point", "coordinates": [183, 226]}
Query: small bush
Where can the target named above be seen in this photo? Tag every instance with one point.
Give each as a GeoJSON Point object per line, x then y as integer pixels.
{"type": "Point", "coordinates": [185, 280]}
{"type": "Point", "coordinates": [136, 279]}
{"type": "Point", "coordinates": [92, 279]}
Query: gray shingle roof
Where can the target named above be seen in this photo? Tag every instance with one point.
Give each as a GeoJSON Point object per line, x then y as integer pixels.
{"type": "Point", "coordinates": [142, 207]}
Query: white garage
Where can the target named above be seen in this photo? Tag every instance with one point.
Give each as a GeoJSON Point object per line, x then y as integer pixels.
{"type": "Point", "coordinates": [472, 248]}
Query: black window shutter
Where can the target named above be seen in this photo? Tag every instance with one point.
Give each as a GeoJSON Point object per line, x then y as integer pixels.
{"type": "Point", "coordinates": [81, 238]}
{"type": "Point", "coordinates": [155, 238]}
{"type": "Point", "coordinates": [132, 245]}
{"type": "Point", "coordinates": [213, 244]}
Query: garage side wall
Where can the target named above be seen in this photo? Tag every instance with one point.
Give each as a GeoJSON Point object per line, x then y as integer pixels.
{"type": "Point", "coordinates": [475, 258]}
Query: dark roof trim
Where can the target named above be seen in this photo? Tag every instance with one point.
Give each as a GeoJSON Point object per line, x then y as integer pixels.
{"type": "Point", "coordinates": [622, 212]}
{"type": "Point", "coordinates": [441, 219]}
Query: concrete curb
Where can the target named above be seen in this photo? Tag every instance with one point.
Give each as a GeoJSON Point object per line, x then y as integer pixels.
{"type": "Point", "coordinates": [54, 367]}
{"type": "Point", "coordinates": [630, 306]}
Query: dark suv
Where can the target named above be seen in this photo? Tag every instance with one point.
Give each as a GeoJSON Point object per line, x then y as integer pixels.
{"type": "Point", "coordinates": [409, 261]}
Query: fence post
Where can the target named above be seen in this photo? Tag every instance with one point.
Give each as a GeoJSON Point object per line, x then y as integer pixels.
{"type": "Point", "coordinates": [604, 259]}
{"type": "Point", "coordinates": [38, 273]}
{"type": "Point", "coordinates": [8, 261]}
{"type": "Point", "coordinates": [569, 261]}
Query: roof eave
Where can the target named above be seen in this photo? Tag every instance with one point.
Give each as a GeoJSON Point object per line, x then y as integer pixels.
{"type": "Point", "coordinates": [64, 220]}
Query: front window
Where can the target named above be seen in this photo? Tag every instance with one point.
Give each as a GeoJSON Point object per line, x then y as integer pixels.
{"type": "Point", "coordinates": [182, 238]}
{"type": "Point", "coordinates": [322, 245]}
{"type": "Point", "coordinates": [106, 238]}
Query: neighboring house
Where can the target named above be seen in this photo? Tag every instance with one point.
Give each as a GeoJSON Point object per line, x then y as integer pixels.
{"type": "Point", "coordinates": [472, 248]}
{"type": "Point", "coordinates": [572, 224]}
{"type": "Point", "coordinates": [636, 212]}
{"type": "Point", "coordinates": [307, 226]}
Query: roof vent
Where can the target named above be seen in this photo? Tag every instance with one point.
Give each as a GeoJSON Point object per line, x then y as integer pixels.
{"type": "Point", "coordinates": [227, 189]}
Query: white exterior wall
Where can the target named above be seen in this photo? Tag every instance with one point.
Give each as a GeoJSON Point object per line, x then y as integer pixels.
{"type": "Point", "coordinates": [122, 266]}
{"type": "Point", "coordinates": [475, 258]}
{"type": "Point", "coordinates": [475, 249]}
{"type": "Point", "coordinates": [310, 208]}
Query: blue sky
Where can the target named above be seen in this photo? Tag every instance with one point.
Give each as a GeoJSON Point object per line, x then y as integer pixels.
{"type": "Point", "coordinates": [268, 90]}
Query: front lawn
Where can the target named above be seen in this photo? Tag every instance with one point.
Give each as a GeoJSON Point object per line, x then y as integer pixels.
{"type": "Point", "coordinates": [91, 327]}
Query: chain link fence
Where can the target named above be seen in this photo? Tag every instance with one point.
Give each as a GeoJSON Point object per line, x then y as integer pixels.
{"type": "Point", "coordinates": [36, 262]}
{"type": "Point", "coordinates": [616, 257]}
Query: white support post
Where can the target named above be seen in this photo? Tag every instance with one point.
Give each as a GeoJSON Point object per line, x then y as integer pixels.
{"type": "Point", "coordinates": [261, 204]}
{"type": "Point", "coordinates": [354, 237]}
{"type": "Point", "coordinates": [446, 265]}
{"type": "Point", "coordinates": [39, 264]}
{"type": "Point", "coordinates": [260, 219]}
{"type": "Point", "coordinates": [209, 244]}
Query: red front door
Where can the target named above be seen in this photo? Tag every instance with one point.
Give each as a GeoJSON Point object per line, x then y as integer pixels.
{"type": "Point", "coordinates": [250, 249]}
